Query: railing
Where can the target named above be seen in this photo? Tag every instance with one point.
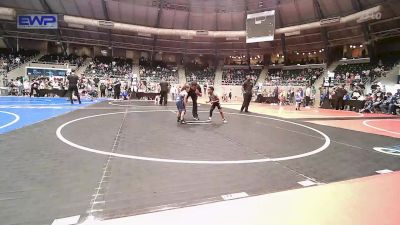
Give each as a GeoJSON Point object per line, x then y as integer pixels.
{"type": "Point", "coordinates": [54, 63]}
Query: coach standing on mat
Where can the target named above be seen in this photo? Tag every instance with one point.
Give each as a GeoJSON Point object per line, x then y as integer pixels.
{"type": "Point", "coordinates": [73, 87]}
{"type": "Point", "coordinates": [194, 92]}
{"type": "Point", "coordinates": [247, 89]}
{"type": "Point", "coordinates": [164, 85]}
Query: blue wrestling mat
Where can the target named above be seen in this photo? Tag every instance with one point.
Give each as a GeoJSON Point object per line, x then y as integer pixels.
{"type": "Point", "coordinates": [18, 112]}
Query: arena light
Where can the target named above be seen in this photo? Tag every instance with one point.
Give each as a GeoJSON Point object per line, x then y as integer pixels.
{"type": "Point", "coordinates": [79, 26]}
{"type": "Point", "coordinates": [106, 24]}
{"type": "Point", "coordinates": [361, 46]}
{"type": "Point", "coordinates": [330, 21]}
{"type": "Point", "coordinates": [144, 34]}
{"type": "Point", "coordinates": [201, 32]}
{"type": "Point", "coordinates": [294, 33]}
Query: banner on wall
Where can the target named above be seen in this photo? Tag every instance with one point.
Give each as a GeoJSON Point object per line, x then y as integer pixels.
{"type": "Point", "coordinates": [46, 72]}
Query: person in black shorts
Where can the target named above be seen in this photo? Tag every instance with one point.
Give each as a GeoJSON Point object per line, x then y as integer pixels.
{"type": "Point", "coordinates": [194, 92]}
{"type": "Point", "coordinates": [73, 87]}
{"type": "Point", "coordinates": [214, 101]}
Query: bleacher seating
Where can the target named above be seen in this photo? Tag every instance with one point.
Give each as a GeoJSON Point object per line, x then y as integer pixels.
{"type": "Point", "coordinates": [61, 59]}
{"type": "Point", "coordinates": [293, 77]}
{"type": "Point", "coordinates": [238, 76]}
{"type": "Point", "coordinates": [201, 74]}
{"type": "Point", "coordinates": [10, 60]}
{"type": "Point", "coordinates": [359, 72]}
{"type": "Point", "coordinates": [109, 67]}
{"type": "Point", "coordinates": [156, 71]}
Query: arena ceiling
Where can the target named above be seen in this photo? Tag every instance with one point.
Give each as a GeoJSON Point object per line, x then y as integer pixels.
{"type": "Point", "coordinates": [218, 15]}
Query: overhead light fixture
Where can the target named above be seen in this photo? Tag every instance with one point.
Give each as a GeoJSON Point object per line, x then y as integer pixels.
{"type": "Point", "coordinates": [361, 46]}
{"type": "Point", "coordinates": [297, 53]}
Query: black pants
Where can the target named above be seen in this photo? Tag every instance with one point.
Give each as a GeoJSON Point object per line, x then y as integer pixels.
{"type": "Point", "coordinates": [213, 107]}
{"type": "Point", "coordinates": [36, 90]}
{"type": "Point", "coordinates": [246, 102]}
{"type": "Point", "coordinates": [163, 97]}
{"type": "Point", "coordinates": [308, 100]}
{"type": "Point", "coordinates": [339, 103]}
{"type": "Point", "coordinates": [102, 93]}
{"type": "Point", "coordinates": [74, 89]}
{"type": "Point", "coordinates": [194, 110]}
{"type": "Point", "coordinates": [117, 93]}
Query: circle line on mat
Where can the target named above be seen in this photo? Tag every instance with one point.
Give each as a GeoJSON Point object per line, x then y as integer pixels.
{"type": "Point", "coordinates": [167, 160]}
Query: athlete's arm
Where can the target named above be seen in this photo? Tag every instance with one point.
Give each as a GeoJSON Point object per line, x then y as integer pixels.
{"type": "Point", "coordinates": [185, 100]}
{"type": "Point", "coordinates": [198, 91]}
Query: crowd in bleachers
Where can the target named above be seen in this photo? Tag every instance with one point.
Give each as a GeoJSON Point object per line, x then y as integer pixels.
{"type": "Point", "coordinates": [109, 67]}
{"type": "Point", "coordinates": [238, 76]}
{"type": "Point", "coordinates": [356, 73]}
{"type": "Point", "coordinates": [62, 59]}
{"type": "Point", "coordinates": [203, 74]}
{"type": "Point", "coordinates": [89, 86]}
{"type": "Point", "coordinates": [379, 100]}
{"type": "Point", "coordinates": [154, 72]}
{"type": "Point", "coordinates": [296, 77]}
{"type": "Point", "coordinates": [10, 60]}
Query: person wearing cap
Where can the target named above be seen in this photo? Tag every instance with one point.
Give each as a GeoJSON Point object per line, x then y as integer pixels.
{"type": "Point", "coordinates": [73, 87]}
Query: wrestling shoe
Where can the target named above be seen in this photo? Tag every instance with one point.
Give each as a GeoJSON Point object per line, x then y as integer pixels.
{"type": "Point", "coordinates": [224, 121]}
{"type": "Point", "coordinates": [196, 118]}
{"type": "Point", "coordinates": [209, 119]}
{"type": "Point", "coordinates": [183, 122]}
{"type": "Point", "coordinates": [178, 120]}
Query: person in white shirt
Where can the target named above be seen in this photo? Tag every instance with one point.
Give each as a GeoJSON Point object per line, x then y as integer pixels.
{"type": "Point", "coordinates": [308, 95]}
{"type": "Point", "coordinates": [172, 91]}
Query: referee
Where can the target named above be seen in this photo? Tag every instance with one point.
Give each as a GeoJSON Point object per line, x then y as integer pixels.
{"type": "Point", "coordinates": [164, 85]}
{"type": "Point", "coordinates": [194, 92]}
{"type": "Point", "coordinates": [247, 89]}
{"type": "Point", "coordinates": [73, 87]}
